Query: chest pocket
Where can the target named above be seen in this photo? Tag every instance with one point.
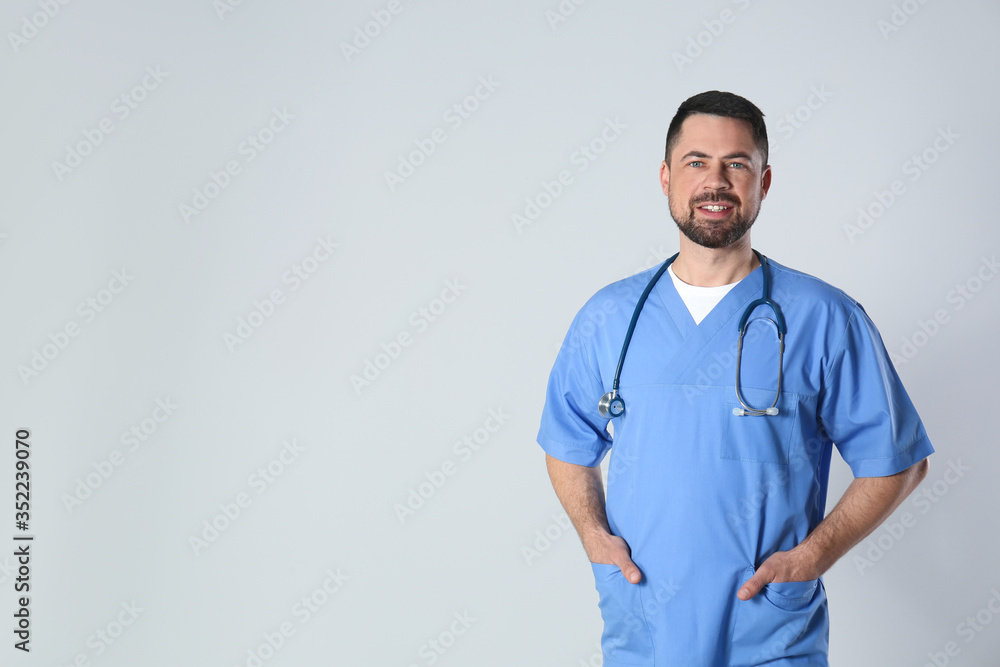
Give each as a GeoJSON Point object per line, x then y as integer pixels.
{"type": "Point", "coordinates": [764, 439]}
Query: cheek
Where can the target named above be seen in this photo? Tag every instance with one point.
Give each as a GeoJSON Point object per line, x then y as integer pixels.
{"type": "Point", "coordinates": [679, 190]}
{"type": "Point", "coordinates": [751, 193]}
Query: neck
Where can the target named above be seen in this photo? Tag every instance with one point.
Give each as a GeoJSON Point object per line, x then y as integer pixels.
{"type": "Point", "coordinates": [711, 267]}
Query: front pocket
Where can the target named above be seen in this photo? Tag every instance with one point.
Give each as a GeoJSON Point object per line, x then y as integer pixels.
{"type": "Point", "coordinates": [791, 595]}
{"type": "Point", "coordinates": [766, 438]}
{"type": "Point", "coordinates": [786, 619]}
{"type": "Point", "coordinates": [626, 641]}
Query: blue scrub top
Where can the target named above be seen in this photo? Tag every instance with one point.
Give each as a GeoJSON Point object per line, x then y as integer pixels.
{"type": "Point", "coordinates": [703, 496]}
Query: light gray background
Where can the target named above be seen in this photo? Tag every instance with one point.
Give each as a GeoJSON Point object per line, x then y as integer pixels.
{"type": "Point", "coordinates": [333, 507]}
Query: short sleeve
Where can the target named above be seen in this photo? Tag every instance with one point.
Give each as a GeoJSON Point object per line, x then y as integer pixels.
{"type": "Point", "coordinates": [864, 408]}
{"type": "Point", "coordinates": [572, 430]}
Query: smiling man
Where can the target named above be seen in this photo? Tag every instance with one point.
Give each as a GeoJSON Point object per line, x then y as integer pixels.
{"type": "Point", "coordinates": [720, 393]}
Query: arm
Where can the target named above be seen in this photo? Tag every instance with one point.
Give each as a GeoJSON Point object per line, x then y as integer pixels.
{"type": "Point", "coordinates": [581, 491]}
{"type": "Point", "coordinates": [867, 502]}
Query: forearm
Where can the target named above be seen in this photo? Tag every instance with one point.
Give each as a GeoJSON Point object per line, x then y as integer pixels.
{"type": "Point", "coordinates": [581, 491]}
{"type": "Point", "coordinates": [866, 503]}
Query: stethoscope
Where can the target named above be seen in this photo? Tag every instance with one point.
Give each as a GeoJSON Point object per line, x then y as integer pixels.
{"type": "Point", "coordinates": [612, 404]}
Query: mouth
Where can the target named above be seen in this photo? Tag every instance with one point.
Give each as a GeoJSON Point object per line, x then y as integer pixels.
{"type": "Point", "coordinates": [716, 210]}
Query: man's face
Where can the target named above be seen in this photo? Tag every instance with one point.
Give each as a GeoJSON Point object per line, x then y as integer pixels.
{"type": "Point", "coordinates": [715, 180]}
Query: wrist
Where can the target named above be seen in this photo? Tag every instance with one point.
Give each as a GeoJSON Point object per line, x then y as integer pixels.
{"type": "Point", "coordinates": [597, 542]}
{"type": "Point", "coordinates": [811, 560]}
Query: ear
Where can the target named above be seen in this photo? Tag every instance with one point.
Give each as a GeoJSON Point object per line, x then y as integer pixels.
{"type": "Point", "coordinates": [664, 177]}
{"type": "Point", "coordinates": [765, 181]}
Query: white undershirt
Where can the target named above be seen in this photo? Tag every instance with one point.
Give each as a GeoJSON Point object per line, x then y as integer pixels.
{"type": "Point", "coordinates": [699, 300]}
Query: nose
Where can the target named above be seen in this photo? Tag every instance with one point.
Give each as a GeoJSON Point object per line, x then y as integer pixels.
{"type": "Point", "coordinates": [716, 178]}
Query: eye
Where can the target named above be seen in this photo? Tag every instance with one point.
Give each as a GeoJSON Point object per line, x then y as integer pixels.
{"type": "Point", "coordinates": [740, 165]}
{"type": "Point", "coordinates": [695, 163]}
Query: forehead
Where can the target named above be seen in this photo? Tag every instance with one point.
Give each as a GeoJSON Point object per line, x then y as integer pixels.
{"type": "Point", "coordinates": [715, 136]}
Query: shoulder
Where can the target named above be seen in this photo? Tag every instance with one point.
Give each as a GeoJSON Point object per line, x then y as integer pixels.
{"type": "Point", "coordinates": [809, 284]}
{"type": "Point", "coordinates": [816, 306]}
{"type": "Point", "coordinates": [620, 296]}
{"type": "Point", "coordinates": [629, 287]}
{"type": "Point", "coordinates": [601, 323]}
{"type": "Point", "coordinates": [808, 292]}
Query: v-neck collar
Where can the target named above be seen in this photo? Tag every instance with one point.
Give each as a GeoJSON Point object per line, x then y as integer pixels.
{"type": "Point", "coordinates": [740, 295]}
{"type": "Point", "coordinates": [723, 317]}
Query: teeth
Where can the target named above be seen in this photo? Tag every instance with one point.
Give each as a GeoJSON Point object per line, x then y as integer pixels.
{"type": "Point", "coordinates": [715, 209]}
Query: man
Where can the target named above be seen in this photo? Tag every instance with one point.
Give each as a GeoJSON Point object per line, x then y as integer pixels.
{"type": "Point", "coordinates": [709, 548]}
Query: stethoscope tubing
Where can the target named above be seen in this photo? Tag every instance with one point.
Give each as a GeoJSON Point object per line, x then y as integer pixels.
{"type": "Point", "coordinates": [635, 318]}
{"type": "Point", "coordinates": [612, 405]}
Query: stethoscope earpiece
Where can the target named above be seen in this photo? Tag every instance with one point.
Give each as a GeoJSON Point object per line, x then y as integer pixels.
{"type": "Point", "coordinates": [742, 412]}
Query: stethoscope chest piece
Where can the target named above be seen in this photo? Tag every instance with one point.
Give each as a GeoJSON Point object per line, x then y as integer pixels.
{"type": "Point", "coordinates": [611, 405]}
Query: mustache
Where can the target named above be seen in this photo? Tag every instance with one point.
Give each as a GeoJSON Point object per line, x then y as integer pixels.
{"type": "Point", "coordinates": [716, 198]}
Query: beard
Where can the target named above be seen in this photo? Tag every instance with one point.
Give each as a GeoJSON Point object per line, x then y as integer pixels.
{"type": "Point", "coordinates": [714, 233]}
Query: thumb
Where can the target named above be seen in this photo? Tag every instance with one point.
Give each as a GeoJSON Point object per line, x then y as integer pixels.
{"type": "Point", "coordinates": [752, 586]}
{"type": "Point", "coordinates": [630, 570]}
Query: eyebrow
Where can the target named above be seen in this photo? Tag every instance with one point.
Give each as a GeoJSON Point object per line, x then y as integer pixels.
{"type": "Point", "coordinates": [724, 157]}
